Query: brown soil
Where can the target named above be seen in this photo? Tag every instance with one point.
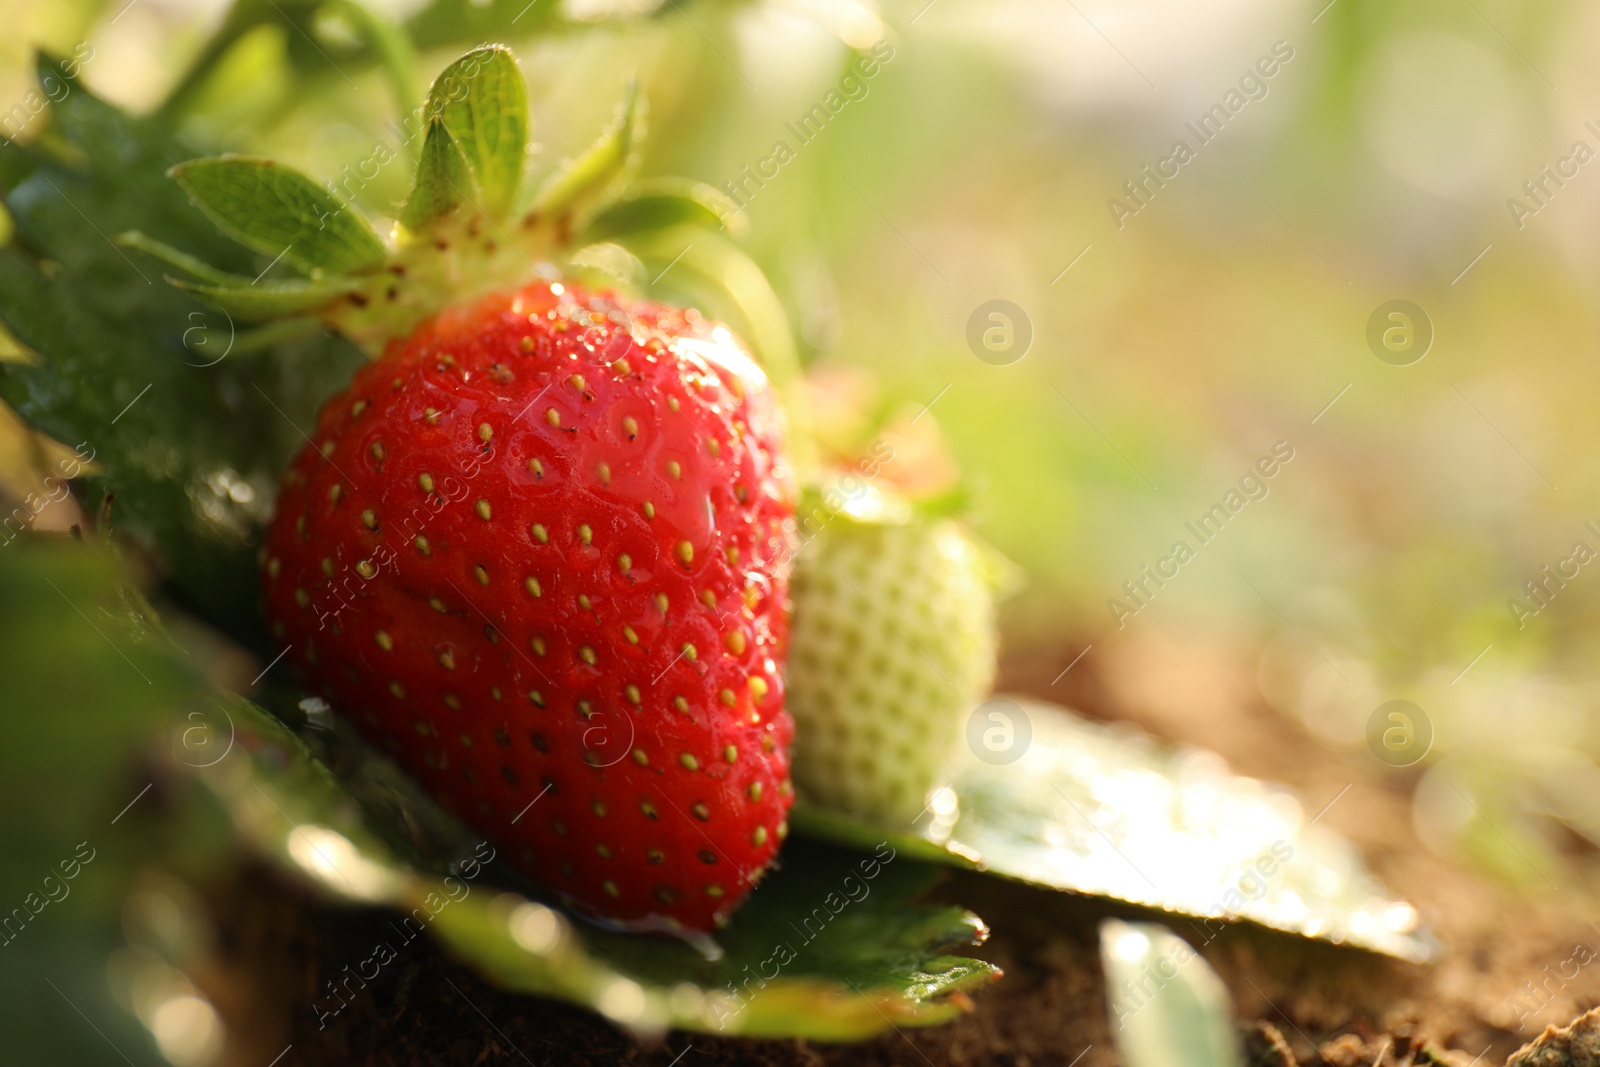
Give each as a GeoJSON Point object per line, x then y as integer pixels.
{"type": "Point", "coordinates": [1312, 1002]}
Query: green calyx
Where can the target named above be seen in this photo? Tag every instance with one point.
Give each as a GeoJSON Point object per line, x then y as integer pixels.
{"type": "Point", "coordinates": [473, 223]}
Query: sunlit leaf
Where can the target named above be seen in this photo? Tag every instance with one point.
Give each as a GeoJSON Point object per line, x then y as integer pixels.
{"type": "Point", "coordinates": [280, 212]}
{"type": "Point", "coordinates": [845, 949]}
{"type": "Point", "coordinates": [483, 102]}
{"type": "Point", "coordinates": [1041, 796]}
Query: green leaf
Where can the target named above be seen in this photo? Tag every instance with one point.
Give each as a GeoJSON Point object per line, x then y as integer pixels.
{"type": "Point", "coordinates": [188, 435]}
{"type": "Point", "coordinates": [1168, 1007]}
{"type": "Point", "coordinates": [484, 104]}
{"type": "Point", "coordinates": [90, 686]}
{"type": "Point", "coordinates": [266, 301]}
{"type": "Point", "coordinates": [242, 298]}
{"type": "Point", "coordinates": [853, 963]}
{"type": "Point", "coordinates": [279, 212]}
{"type": "Point", "coordinates": [583, 182]}
{"type": "Point", "coordinates": [442, 179]}
{"type": "Point", "coordinates": [1039, 795]}
{"type": "Point", "coordinates": [193, 266]}
{"type": "Point", "coordinates": [664, 203]}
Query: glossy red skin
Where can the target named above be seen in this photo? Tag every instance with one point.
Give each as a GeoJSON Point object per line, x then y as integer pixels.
{"type": "Point", "coordinates": [561, 788]}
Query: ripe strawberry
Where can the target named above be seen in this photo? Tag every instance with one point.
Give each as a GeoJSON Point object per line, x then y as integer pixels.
{"type": "Point", "coordinates": [892, 644]}
{"type": "Point", "coordinates": [539, 548]}
{"type": "Point", "coordinates": [540, 557]}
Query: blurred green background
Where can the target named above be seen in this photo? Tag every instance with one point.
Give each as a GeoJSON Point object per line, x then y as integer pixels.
{"type": "Point", "coordinates": [1172, 347]}
{"type": "Point", "coordinates": [978, 162]}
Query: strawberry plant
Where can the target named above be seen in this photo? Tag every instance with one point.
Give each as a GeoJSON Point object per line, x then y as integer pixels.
{"type": "Point", "coordinates": [529, 541]}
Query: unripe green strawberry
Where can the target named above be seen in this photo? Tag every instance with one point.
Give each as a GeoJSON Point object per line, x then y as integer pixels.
{"type": "Point", "coordinates": [892, 644]}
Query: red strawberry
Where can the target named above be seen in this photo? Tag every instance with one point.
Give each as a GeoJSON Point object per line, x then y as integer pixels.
{"type": "Point", "coordinates": [539, 551]}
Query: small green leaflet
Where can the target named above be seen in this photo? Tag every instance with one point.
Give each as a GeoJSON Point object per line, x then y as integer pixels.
{"type": "Point", "coordinates": [1168, 1007]}
{"type": "Point", "coordinates": [279, 212]}
{"type": "Point", "coordinates": [442, 179]}
{"type": "Point", "coordinates": [483, 103]}
{"type": "Point", "coordinates": [242, 298]}
{"type": "Point", "coordinates": [1102, 810]}
{"type": "Point", "coordinates": [662, 203]}
{"type": "Point", "coordinates": [583, 182]}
